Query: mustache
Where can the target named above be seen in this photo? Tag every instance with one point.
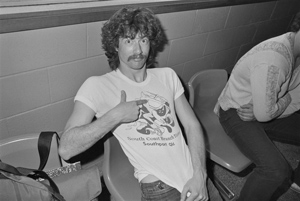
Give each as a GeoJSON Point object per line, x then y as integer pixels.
{"type": "Point", "coordinates": [136, 56]}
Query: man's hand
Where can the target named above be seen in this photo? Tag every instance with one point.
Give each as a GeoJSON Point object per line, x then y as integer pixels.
{"type": "Point", "coordinates": [245, 112]}
{"type": "Point", "coordinates": [195, 189]}
{"type": "Point", "coordinates": [128, 111]}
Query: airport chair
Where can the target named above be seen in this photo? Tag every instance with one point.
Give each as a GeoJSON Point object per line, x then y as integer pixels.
{"type": "Point", "coordinates": [118, 173]}
{"type": "Point", "coordinates": [204, 90]}
{"type": "Point", "coordinates": [22, 151]}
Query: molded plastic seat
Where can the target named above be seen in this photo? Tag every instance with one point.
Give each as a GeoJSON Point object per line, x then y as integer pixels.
{"type": "Point", "coordinates": [205, 88]}
{"type": "Point", "coordinates": [118, 173]}
{"type": "Point", "coordinates": [22, 151]}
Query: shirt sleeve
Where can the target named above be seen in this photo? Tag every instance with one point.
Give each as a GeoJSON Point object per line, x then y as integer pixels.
{"type": "Point", "coordinates": [294, 106]}
{"type": "Point", "coordinates": [86, 94]}
{"type": "Point", "coordinates": [269, 91]}
{"type": "Point", "coordinates": [177, 85]}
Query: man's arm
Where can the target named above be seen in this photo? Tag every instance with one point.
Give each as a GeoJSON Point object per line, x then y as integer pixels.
{"type": "Point", "coordinates": [294, 106]}
{"type": "Point", "coordinates": [269, 91]}
{"type": "Point", "coordinates": [195, 188]}
{"type": "Point", "coordinates": [80, 133]}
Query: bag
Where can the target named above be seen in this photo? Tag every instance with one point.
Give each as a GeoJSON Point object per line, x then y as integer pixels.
{"type": "Point", "coordinates": [80, 185]}
{"type": "Point", "coordinates": [71, 181]}
{"type": "Point", "coordinates": [25, 184]}
{"type": "Point", "coordinates": [74, 183]}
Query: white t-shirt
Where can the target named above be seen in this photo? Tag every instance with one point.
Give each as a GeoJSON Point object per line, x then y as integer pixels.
{"type": "Point", "coordinates": [154, 144]}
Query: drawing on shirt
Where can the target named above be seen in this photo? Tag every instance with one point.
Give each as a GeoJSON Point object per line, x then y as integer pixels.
{"type": "Point", "coordinates": [155, 115]}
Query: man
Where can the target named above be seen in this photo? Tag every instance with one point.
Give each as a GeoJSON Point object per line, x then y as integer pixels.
{"type": "Point", "coordinates": [138, 105]}
{"type": "Point", "coordinates": [260, 104]}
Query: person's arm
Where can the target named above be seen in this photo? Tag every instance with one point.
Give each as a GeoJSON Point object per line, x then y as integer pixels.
{"type": "Point", "coordinates": [294, 106]}
{"type": "Point", "coordinates": [195, 188]}
{"type": "Point", "coordinates": [269, 92]}
{"type": "Point", "coordinates": [80, 133]}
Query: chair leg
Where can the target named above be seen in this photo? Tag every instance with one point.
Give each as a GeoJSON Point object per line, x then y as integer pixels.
{"type": "Point", "coordinates": [223, 189]}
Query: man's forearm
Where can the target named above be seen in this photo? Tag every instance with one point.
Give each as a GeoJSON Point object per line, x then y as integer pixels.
{"type": "Point", "coordinates": [78, 139]}
{"type": "Point", "coordinates": [294, 106]}
{"type": "Point", "coordinates": [282, 104]}
{"type": "Point", "coordinates": [197, 148]}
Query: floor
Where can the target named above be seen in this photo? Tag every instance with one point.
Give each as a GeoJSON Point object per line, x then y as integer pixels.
{"type": "Point", "coordinates": [235, 181]}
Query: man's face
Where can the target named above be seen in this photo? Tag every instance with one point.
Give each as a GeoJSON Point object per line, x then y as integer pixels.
{"type": "Point", "coordinates": [133, 53]}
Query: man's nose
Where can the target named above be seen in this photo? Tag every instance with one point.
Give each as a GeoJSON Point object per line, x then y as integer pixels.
{"type": "Point", "coordinates": [138, 48]}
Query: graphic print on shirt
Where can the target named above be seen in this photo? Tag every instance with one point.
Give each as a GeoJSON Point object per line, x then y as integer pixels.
{"type": "Point", "coordinates": [155, 115]}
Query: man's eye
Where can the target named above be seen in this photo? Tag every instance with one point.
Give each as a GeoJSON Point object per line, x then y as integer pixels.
{"type": "Point", "coordinates": [145, 41]}
{"type": "Point", "coordinates": [128, 41]}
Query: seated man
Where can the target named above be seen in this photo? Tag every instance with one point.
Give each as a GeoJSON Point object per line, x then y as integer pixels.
{"type": "Point", "coordinates": [260, 104]}
{"type": "Point", "coordinates": [140, 106]}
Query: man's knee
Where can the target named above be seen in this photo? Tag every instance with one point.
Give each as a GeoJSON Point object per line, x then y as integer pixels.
{"type": "Point", "coordinates": [277, 172]}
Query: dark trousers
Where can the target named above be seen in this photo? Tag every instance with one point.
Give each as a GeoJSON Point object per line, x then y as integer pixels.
{"type": "Point", "coordinates": [272, 173]}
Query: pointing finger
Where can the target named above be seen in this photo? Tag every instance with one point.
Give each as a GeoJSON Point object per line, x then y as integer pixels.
{"type": "Point", "coordinates": [141, 102]}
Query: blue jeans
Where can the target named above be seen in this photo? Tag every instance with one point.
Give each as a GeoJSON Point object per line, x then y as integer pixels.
{"type": "Point", "coordinates": [159, 191]}
{"type": "Point", "coordinates": [272, 174]}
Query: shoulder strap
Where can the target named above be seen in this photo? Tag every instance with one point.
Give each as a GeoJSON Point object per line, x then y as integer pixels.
{"type": "Point", "coordinates": [44, 145]}
{"type": "Point", "coordinates": [10, 169]}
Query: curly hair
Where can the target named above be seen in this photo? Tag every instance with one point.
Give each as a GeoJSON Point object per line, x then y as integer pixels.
{"type": "Point", "coordinates": [127, 23]}
{"type": "Point", "coordinates": [295, 27]}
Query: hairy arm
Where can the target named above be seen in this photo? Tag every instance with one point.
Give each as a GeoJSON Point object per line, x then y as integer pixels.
{"type": "Point", "coordinates": [81, 133]}
{"type": "Point", "coordinates": [196, 186]}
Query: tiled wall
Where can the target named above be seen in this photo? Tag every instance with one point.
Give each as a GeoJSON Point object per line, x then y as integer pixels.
{"type": "Point", "coordinates": [41, 70]}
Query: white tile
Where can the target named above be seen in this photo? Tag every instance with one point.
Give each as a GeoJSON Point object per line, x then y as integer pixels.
{"type": "Point", "coordinates": [263, 11]}
{"type": "Point", "coordinates": [178, 24]}
{"type": "Point", "coordinates": [60, 113]}
{"type": "Point", "coordinates": [243, 35]}
{"type": "Point", "coordinates": [66, 79]}
{"type": "Point", "coordinates": [94, 44]}
{"type": "Point", "coordinates": [240, 15]}
{"type": "Point", "coordinates": [28, 50]}
{"type": "Point", "coordinates": [210, 19]}
{"type": "Point", "coordinates": [186, 49]}
{"type": "Point", "coordinates": [23, 92]}
{"type": "Point", "coordinates": [33, 121]}
{"type": "Point", "coordinates": [219, 40]}
{"type": "Point", "coordinates": [281, 9]}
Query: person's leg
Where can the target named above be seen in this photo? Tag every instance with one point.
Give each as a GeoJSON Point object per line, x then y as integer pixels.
{"type": "Point", "coordinates": [159, 191]}
{"type": "Point", "coordinates": [271, 169]}
{"type": "Point", "coordinates": [287, 130]}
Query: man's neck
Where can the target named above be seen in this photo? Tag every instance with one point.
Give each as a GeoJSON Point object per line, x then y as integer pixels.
{"type": "Point", "coordinates": [135, 75]}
